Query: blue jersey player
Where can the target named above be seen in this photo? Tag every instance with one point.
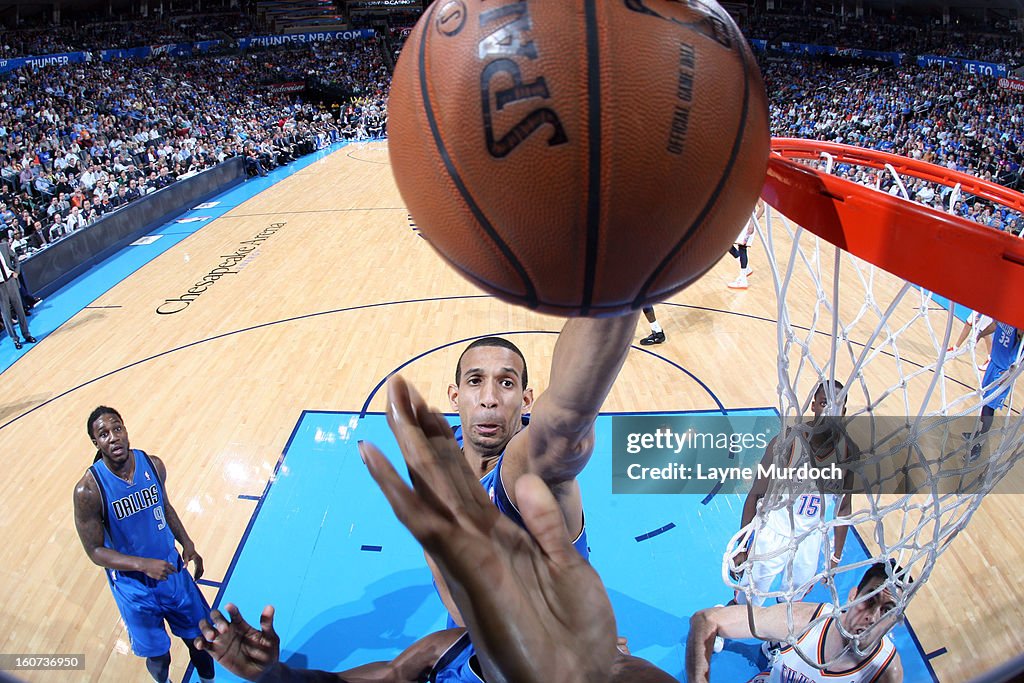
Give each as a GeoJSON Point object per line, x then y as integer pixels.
{"type": "Point", "coordinates": [536, 610]}
{"type": "Point", "coordinates": [1006, 352]}
{"type": "Point", "coordinates": [491, 394]}
{"type": "Point", "coordinates": [129, 527]}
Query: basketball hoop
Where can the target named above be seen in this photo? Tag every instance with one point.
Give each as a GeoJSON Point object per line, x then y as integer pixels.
{"type": "Point", "coordinates": [948, 251]}
{"type": "Point", "coordinates": [867, 284]}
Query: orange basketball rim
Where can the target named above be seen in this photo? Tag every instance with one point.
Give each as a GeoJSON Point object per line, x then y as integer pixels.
{"type": "Point", "coordinates": [969, 263]}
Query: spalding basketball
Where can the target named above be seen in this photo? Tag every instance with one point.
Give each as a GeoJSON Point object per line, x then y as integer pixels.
{"type": "Point", "coordinates": [579, 157]}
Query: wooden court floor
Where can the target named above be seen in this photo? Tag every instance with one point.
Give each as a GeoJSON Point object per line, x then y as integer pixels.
{"type": "Point", "coordinates": [338, 293]}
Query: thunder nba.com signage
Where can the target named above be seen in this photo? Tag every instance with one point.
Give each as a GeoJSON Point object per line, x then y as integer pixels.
{"type": "Point", "coordinates": [43, 60]}
{"type": "Point", "coordinates": [302, 38]}
{"type": "Point", "coordinates": [178, 49]}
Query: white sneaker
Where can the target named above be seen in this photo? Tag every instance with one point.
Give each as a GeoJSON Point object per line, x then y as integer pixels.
{"type": "Point", "coordinates": [748, 271]}
{"type": "Point", "coordinates": [770, 649]}
{"type": "Point", "coordinates": [719, 640]}
{"type": "Point", "coordinates": [738, 283]}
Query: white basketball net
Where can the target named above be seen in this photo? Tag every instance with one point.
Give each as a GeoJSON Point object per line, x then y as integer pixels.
{"type": "Point", "coordinates": [910, 401]}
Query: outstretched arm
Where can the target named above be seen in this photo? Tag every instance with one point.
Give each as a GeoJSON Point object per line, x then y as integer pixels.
{"type": "Point", "coordinates": [588, 356]}
{"type": "Point", "coordinates": [734, 622]}
{"type": "Point", "coordinates": [255, 654]}
{"type": "Point", "coordinates": [559, 441]}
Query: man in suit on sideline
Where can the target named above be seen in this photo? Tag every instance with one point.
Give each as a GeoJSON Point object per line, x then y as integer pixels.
{"type": "Point", "coordinates": [10, 297]}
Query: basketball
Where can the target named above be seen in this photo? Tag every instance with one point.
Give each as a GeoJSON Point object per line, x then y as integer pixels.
{"type": "Point", "coordinates": [579, 158]}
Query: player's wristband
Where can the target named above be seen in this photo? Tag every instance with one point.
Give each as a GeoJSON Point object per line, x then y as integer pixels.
{"type": "Point", "coordinates": [835, 559]}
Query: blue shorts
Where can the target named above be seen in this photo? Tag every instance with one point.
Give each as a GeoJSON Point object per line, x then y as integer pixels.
{"type": "Point", "coordinates": [145, 604]}
{"type": "Point", "coordinates": [458, 664]}
{"type": "Point", "coordinates": [992, 399]}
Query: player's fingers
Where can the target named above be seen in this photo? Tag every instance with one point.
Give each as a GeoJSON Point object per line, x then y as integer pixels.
{"type": "Point", "coordinates": [267, 622]}
{"type": "Point", "coordinates": [218, 622]}
{"type": "Point", "coordinates": [236, 617]}
{"type": "Point", "coordinates": [437, 468]}
{"type": "Point", "coordinates": [407, 413]}
{"type": "Point", "coordinates": [455, 470]}
{"type": "Point", "coordinates": [442, 457]}
{"type": "Point", "coordinates": [421, 512]}
{"type": "Point", "coordinates": [544, 519]}
{"type": "Point", "coordinates": [209, 633]}
{"type": "Point", "coordinates": [400, 396]}
{"type": "Point", "coordinates": [435, 424]}
{"type": "Point", "coordinates": [404, 405]}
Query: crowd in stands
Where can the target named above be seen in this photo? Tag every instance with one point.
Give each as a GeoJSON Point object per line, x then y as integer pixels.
{"type": "Point", "coordinates": [79, 141]}
{"type": "Point", "coordinates": [888, 35]}
{"type": "Point", "coordinates": [956, 120]}
{"type": "Point", "coordinates": [359, 68]}
{"type": "Point", "coordinates": [125, 34]}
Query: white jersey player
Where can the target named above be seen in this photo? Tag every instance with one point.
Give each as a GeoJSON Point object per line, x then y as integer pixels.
{"type": "Point", "coordinates": [743, 241]}
{"type": "Point", "coordinates": [790, 667]}
{"type": "Point", "coordinates": [973, 326]}
{"type": "Point", "coordinates": [824, 642]}
{"type": "Point", "coordinates": [813, 503]}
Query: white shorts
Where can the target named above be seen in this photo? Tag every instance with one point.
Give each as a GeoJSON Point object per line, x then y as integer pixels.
{"type": "Point", "coordinates": [979, 321]}
{"type": "Point", "coordinates": [743, 239]}
{"type": "Point", "coordinates": [766, 573]}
